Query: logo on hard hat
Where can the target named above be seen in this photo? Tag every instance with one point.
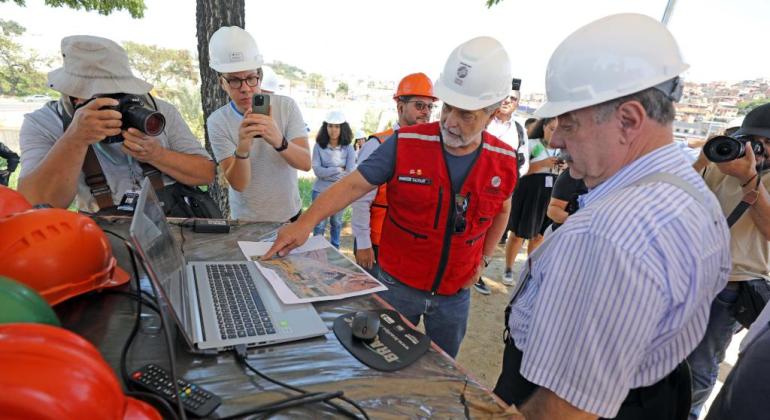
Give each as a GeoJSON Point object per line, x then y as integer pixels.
{"type": "Point", "coordinates": [463, 70]}
{"type": "Point", "coordinates": [496, 181]}
{"type": "Point", "coordinates": [236, 56]}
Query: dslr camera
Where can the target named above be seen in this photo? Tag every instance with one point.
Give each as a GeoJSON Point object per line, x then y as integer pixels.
{"type": "Point", "coordinates": [135, 114]}
{"type": "Point", "coordinates": [725, 148]}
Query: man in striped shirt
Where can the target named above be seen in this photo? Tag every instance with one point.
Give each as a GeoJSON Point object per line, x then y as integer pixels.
{"type": "Point", "coordinates": [612, 303]}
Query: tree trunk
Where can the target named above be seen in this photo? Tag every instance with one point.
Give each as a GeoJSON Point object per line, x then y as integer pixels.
{"type": "Point", "coordinates": [210, 16]}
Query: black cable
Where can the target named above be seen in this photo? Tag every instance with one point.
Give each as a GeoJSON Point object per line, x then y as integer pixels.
{"type": "Point", "coordinates": [181, 233]}
{"type": "Point", "coordinates": [170, 351]}
{"type": "Point", "coordinates": [145, 301]}
{"type": "Point", "coordinates": [126, 346]}
{"type": "Point", "coordinates": [169, 411]}
{"type": "Point", "coordinates": [240, 355]}
{"type": "Point", "coordinates": [295, 401]}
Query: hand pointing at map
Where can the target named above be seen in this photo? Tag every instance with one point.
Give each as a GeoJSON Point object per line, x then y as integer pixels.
{"type": "Point", "coordinates": [289, 237]}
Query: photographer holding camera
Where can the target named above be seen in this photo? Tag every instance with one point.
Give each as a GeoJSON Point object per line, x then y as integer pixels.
{"type": "Point", "coordinates": [87, 145]}
{"type": "Point", "coordinates": [737, 174]}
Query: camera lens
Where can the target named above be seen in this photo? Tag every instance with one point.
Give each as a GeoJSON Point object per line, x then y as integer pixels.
{"type": "Point", "coordinates": [154, 124]}
{"type": "Point", "coordinates": [723, 149]}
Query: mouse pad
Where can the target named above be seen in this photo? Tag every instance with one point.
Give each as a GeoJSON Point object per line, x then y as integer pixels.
{"type": "Point", "coordinates": [396, 346]}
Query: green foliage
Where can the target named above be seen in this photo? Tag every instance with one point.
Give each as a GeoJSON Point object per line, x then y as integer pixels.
{"type": "Point", "coordinates": [305, 193]}
{"type": "Point", "coordinates": [19, 74]}
{"type": "Point", "coordinates": [104, 7]}
{"type": "Point", "coordinates": [288, 71]}
{"type": "Point", "coordinates": [162, 66]}
{"type": "Point", "coordinates": [174, 76]}
{"type": "Point", "coordinates": [371, 120]}
{"type": "Point", "coordinates": [491, 3]}
{"type": "Point", "coordinates": [746, 107]}
{"type": "Point", "coordinates": [316, 81]}
{"type": "Point", "coordinates": [342, 90]}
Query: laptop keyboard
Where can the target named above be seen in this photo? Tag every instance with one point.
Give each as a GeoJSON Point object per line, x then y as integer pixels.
{"type": "Point", "coordinates": [240, 311]}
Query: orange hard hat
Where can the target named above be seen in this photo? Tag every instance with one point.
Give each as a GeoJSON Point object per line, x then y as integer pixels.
{"type": "Point", "coordinates": [415, 84]}
{"type": "Point", "coordinates": [59, 253]}
{"type": "Point", "coordinates": [52, 373]}
{"type": "Point", "coordinates": [11, 201]}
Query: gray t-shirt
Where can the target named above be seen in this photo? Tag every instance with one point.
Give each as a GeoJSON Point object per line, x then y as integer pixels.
{"type": "Point", "coordinates": [42, 128]}
{"type": "Point", "coordinates": [378, 168]}
{"type": "Point", "coordinates": [273, 194]}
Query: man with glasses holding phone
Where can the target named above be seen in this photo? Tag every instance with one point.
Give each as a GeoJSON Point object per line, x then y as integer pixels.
{"type": "Point", "coordinates": [259, 153]}
{"type": "Point", "coordinates": [449, 192]}
{"type": "Point", "coordinates": [414, 103]}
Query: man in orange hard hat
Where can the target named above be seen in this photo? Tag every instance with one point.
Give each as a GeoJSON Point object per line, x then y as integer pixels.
{"type": "Point", "coordinates": [414, 103]}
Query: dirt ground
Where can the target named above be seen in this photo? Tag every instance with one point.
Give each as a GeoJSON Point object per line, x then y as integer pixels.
{"type": "Point", "coordinates": [482, 349]}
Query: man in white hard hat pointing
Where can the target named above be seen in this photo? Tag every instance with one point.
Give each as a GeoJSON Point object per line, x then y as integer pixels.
{"type": "Point", "coordinates": [610, 305]}
{"type": "Point", "coordinates": [259, 154]}
{"type": "Point", "coordinates": [449, 187]}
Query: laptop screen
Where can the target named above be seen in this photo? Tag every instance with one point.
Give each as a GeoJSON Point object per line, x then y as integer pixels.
{"type": "Point", "coordinates": [151, 234]}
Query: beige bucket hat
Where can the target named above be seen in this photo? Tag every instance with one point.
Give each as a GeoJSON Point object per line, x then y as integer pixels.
{"type": "Point", "coordinates": [94, 65]}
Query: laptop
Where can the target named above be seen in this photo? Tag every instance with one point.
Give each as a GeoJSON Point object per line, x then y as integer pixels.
{"type": "Point", "coordinates": [215, 304]}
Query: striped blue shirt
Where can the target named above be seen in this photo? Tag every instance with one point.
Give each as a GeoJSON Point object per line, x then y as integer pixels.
{"type": "Point", "coordinates": [620, 294]}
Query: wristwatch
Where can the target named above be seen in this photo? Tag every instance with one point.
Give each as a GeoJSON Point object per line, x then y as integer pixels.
{"type": "Point", "coordinates": [487, 260]}
{"type": "Point", "coordinates": [237, 156]}
{"type": "Point", "coordinates": [284, 145]}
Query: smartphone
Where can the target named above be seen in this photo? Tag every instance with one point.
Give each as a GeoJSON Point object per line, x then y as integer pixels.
{"type": "Point", "coordinates": [260, 104]}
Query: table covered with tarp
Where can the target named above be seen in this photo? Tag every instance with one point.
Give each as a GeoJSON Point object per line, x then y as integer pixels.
{"type": "Point", "coordinates": [433, 387]}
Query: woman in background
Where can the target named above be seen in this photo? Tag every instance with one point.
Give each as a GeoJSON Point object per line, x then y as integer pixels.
{"type": "Point", "coordinates": [333, 158]}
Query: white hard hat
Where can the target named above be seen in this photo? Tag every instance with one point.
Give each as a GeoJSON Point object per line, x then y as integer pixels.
{"type": "Point", "coordinates": [335, 117]}
{"type": "Point", "coordinates": [231, 49]}
{"type": "Point", "coordinates": [360, 134]}
{"type": "Point", "coordinates": [610, 58]}
{"type": "Point", "coordinates": [269, 80]}
{"type": "Point", "coordinates": [476, 74]}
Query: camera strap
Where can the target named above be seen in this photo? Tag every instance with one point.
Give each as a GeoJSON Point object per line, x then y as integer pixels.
{"type": "Point", "coordinates": [92, 169]}
{"type": "Point", "coordinates": [743, 205]}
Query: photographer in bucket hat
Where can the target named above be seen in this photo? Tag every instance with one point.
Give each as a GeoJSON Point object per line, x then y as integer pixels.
{"type": "Point", "coordinates": [449, 192]}
{"type": "Point", "coordinates": [259, 152]}
{"type": "Point", "coordinates": [124, 134]}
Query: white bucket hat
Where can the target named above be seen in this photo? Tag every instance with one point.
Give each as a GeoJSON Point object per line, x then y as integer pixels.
{"type": "Point", "coordinates": [94, 65]}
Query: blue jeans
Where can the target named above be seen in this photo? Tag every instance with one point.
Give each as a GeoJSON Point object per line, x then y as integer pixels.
{"type": "Point", "coordinates": [336, 224]}
{"type": "Point", "coordinates": [445, 317]}
{"type": "Point", "coordinates": [705, 359]}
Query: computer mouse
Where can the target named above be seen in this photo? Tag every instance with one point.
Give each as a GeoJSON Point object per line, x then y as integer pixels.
{"type": "Point", "coordinates": [366, 325]}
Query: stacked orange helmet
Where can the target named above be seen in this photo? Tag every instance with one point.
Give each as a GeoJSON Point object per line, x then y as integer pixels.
{"type": "Point", "coordinates": [59, 253]}
{"type": "Point", "coordinates": [11, 201]}
{"type": "Point", "coordinates": [51, 373]}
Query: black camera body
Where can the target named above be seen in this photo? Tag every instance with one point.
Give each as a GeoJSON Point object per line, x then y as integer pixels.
{"type": "Point", "coordinates": [134, 114]}
{"type": "Point", "coordinates": [725, 148]}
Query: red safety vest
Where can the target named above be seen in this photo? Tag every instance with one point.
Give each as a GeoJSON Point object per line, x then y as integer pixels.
{"type": "Point", "coordinates": [379, 207]}
{"type": "Point", "coordinates": [419, 246]}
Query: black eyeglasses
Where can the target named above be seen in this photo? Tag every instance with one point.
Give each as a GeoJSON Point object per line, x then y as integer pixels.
{"type": "Point", "coordinates": [420, 105]}
{"type": "Point", "coordinates": [461, 207]}
{"type": "Point", "coordinates": [236, 82]}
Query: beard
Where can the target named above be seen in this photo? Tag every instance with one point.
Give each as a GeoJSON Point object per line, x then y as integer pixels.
{"type": "Point", "coordinates": [453, 140]}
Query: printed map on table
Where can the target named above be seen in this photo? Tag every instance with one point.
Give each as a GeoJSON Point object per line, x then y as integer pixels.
{"type": "Point", "coordinates": [314, 272]}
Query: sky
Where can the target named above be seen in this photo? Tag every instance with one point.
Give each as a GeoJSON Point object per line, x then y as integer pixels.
{"type": "Point", "coordinates": [389, 39]}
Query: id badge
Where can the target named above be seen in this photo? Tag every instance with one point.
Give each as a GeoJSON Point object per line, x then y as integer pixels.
{"type": "Point", "coordinates": [128, 203]}
{"type": "Point", "coordinates": [549, 182]}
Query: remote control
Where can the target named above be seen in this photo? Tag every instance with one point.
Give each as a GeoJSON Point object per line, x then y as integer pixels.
{"type": "Point", "coordinates": [196, 400]}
